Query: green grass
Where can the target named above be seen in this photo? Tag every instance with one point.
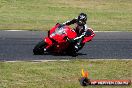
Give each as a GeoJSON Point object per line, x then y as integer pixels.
{"type": "Point", "coordinates": [62, 74]}
{"type": "Point", "coordinates": [103, 15]}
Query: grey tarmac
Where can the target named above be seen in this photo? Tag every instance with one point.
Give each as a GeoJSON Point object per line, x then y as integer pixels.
{"type": "Point", "coordinates": [18, 45]}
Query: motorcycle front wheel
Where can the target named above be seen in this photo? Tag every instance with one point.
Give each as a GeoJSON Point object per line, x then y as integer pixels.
{"type": "Point", "coordinates": [39, 48]}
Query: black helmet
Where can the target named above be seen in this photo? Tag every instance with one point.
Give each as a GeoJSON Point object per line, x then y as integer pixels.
{"type": "Point", "coordinates": [82, 18]}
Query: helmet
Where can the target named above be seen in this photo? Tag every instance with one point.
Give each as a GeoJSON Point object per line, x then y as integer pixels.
{"type": "Point", "coordinates": [82, 18]}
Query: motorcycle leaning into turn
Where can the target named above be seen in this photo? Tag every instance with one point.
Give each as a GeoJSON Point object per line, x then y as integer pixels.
{"type": "Point", "coordinates": [59, 41]}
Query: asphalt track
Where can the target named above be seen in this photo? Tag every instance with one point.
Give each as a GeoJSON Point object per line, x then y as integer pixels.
{"type": "Point", "coordinates": [18, 45]}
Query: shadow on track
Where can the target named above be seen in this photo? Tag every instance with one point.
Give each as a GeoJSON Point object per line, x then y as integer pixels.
{"type": "Point", "coordinates": [63, 54]}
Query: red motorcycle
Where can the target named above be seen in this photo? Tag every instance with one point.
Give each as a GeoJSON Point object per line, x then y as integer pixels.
{"type": "Point", "coordinates": [58, 41]}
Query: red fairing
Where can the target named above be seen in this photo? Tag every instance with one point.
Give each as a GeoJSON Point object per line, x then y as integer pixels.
{"type": "Point", "coordinates": [62, 33]}
{"type": "Point", "coordinates": [59, 35]}
{"type": "Point", "coordinates": [89, 38]}
{"type": "Point", "coordinates": [48, 41]}
{"type": "Point", "coordinates": [70, 33]}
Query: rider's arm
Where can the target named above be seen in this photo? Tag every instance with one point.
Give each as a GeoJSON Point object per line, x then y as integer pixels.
{"type": "Point", "coordinates": [70, 22]}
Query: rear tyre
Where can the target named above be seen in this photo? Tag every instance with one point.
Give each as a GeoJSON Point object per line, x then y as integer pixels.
{"type": "Point", "coordinates": [39, 48]}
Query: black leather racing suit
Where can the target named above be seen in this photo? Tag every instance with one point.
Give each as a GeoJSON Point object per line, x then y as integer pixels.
{"type": "Point", "coordinates": [81, 31]}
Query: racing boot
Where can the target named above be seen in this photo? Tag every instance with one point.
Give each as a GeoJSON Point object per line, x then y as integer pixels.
{"type": "Point", "coordinates": [77, 47]}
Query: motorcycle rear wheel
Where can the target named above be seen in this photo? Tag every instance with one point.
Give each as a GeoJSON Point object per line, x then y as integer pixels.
{"type": "Point", "coordinates": [39, 48]}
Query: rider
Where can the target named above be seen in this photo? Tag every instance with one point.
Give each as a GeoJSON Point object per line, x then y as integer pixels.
{"type": "Point", "coordinates": [81, 28]}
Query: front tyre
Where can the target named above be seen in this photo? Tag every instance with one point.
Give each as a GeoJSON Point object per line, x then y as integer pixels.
{"type": "Point", "coordinates": [39, 48]}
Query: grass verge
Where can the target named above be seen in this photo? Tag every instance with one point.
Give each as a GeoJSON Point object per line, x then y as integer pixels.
{"type": "Point", "coordinates": [61, 74]}
{"type": "Point", "coordinates": [103, 15]}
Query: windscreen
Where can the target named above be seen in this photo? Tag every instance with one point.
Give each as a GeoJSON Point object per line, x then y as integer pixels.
{"type": "Point", "coordinates": [59, 31]}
